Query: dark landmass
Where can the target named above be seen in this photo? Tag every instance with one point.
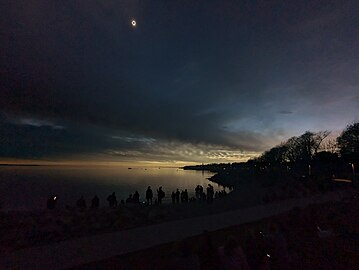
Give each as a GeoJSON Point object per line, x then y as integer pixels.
{"type": "Point", "coordinates": [19, 165]}
{"type": "Point", "coordinates": [304, 158]}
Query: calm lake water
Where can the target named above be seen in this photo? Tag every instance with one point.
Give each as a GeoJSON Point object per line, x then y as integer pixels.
{"type": "Point", "coordinates": [27, 188]}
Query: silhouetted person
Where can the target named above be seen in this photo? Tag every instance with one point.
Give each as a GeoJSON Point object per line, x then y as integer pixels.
{"type": "Point", "coordinates": [95, 202]}
{"type": "Point", "coordinates": [149, 195]}
{"type": "Point", "coordinates": [129, 199]}
{"type": "Point", "coordinates": [231, 256]}
{"type": "Point", "coordinates": [208, 256]}
{"type": "Point", "coordinates": [136, 197]}
{"type": "Point", "coordinates": [210, 193]}
{"type": "Point", "coordinates": [81, 203]}
{"type": "Point", "coordinates": [177, 196]}
{"type": "Point", "coordinates": [278, 246]}
{"type": "Point", "coordinates": [256, 250]}
{"type": "Point", "coordinates": [173, 197]}
{"type": "Point", "coordinates": [200, 190]}
{"type": "Point", "coordinates": [185, 196]}
{"type": "Point", "coordinates": [112, 200]}
{"type": "Point", "coordinates": [185, 257]}
{"type": "Point", "coordinates": [182, 196]}
{"type": "Point", "coordinates": [160, 195]}
{"type": "Point", "coordinates": [51, 202]}
{"type": "Point", "coordinates": [197, 191]}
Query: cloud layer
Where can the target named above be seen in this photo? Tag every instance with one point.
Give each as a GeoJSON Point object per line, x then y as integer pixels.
{"type": "Point", "coordinates": [194, 81]}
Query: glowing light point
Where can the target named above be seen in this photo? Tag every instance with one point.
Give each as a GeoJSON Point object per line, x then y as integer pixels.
{"type": "Point", "coordinates": [134, 23]}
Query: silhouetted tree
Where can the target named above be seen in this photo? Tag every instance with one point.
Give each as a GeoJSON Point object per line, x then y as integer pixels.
{"type": "Point", "coordinates": [330, 146]}
{"type": "Point", "coordinates": [310, 143]}
{"type": "Point", "coordinates": [296, 149]}
{"type": "Point", "coordinates": [304, 147]}
{"type": "Point", "coordinates": [348, 142]}
{"type": "Point", "coordinates": [274, 156]}
{"type": "Point", "coordinates": [291, 154]}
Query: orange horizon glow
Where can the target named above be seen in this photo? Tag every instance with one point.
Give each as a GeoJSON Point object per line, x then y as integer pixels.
{"type": "Point", "coordinates": [101, 160]}
{"type": "Point", "coordinates": [96, 163]}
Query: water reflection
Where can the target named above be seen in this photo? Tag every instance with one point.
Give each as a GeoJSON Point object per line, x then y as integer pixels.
{"type": "Point", "coordinates": [27, 188]}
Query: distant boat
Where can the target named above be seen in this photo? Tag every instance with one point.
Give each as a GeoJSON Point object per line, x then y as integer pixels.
{"type": "Point", "coordinates": [130, 168]}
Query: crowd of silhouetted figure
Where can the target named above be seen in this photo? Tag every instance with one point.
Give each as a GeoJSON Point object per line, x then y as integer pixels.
{"type": "Point", "coordinates": [290, 241]}
{"type": "Point", "coordinates": [176, 196]}
{"type": "Point", "coordinates": [260, 251]}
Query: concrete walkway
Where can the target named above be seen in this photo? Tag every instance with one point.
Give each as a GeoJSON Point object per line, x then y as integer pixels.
{"type": "Point", "coordinates": [84, 250]}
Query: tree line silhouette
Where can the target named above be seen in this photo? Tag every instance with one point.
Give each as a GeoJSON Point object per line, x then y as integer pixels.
{"type": "Point", "coordinates": [312, 154]}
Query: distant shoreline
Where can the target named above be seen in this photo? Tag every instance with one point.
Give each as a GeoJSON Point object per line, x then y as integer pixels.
{"type": "Point", "coordinates": [84, 165]}
{"type": "Point", "coordinates": [19, 165]}
{"type": "Point", "coordinates": [218, 178]}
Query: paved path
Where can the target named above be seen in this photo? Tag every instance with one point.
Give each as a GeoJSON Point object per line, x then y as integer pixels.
{"type": "Point", "coordinates": [84, 250]}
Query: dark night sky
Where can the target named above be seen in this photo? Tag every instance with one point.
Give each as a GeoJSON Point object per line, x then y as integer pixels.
{"type": "Point", "coordinates": [194, 81]}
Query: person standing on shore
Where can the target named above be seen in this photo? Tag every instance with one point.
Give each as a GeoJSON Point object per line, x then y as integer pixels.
{"type": "Point", "coordinates": [182, 196]}
{"type": "Point", "coordinates": [51, 202]}
{"type": "Point", "coordinates": [210, 193]}
{"type": "Point", "coordinates": [173, 196]}
{"type": "Point", "coordinates": [185, 196]}
{"type": "Point", "coordinates": [201, 194]}
{"type": "Point", "coordinates": [197, 192]}
{"type": "Point", "coordinates": [177, 196]}
{"type": "Point", "coordinates": [160, 195]}
{"type": "Point", "coordinates": [95, 202]}
{"type": "Point", "coordinates": [149, 195]}
{"type": "Point", "coordinates": [112, 200]}
{"type": "Point", "coordinates": [81, 203]}
{"type": "Point", "coordinates": [136, 197]}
